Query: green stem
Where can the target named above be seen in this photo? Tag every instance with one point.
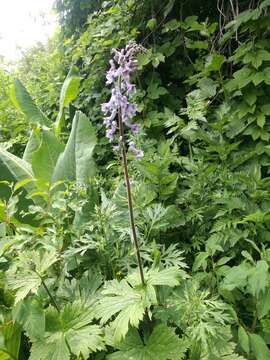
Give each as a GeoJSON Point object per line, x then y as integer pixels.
{"type": "Point", "coordinates": [129, 197]}
{"type": "Point", "coordinates": [53, 301]}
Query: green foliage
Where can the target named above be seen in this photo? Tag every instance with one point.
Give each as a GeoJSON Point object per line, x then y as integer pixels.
{"type": "Point", "coordinates": [162, 344]}
{"type": "Point", "coordinates": [69, 281]}
{"type": "Point", "coordinates": [23, 102]}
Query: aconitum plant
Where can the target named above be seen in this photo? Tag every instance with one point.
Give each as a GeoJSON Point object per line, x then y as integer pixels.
{"type": "Point", "coordinates": [120, 111]}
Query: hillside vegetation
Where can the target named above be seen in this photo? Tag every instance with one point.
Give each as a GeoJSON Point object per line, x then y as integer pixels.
{"type": "Point", "coordinates": [177, 269]}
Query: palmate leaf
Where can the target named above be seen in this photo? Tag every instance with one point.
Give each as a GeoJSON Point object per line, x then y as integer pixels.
{"type": "Point", "coordinates": [23, 283]}
{"type": "Point", "coordinates": [25, 278]}
{"type": "Point", "coordinates": [129, 303]}
{"type": "Point", "coordinates": [30, 315]}
{"type": "Point", "coordinates": [69, 331]}
{"type": "Point", "coordinates": [51, 348]}
{"type": "Point", "coordinates": [162, 344]}
{"type": "Point", "coordinates": [128, 299]}
{"type": "Point", "coordinates": [76, 162]}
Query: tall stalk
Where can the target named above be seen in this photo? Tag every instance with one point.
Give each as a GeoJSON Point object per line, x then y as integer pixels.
{"type": "Point", "coordinates": [129, 198]}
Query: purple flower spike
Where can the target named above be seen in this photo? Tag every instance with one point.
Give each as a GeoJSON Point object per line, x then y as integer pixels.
{"type": "Point", "coordinates": [137, 152]}
{"type": "Point", "coordinates": [122, 66]}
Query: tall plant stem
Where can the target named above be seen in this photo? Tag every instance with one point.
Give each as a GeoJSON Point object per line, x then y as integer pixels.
{"type": "Point", "coordinates": [53, 301]}
{"type": "Point", "coordinates": [129, 197]}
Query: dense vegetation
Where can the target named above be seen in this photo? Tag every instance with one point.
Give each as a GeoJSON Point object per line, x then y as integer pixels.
{"type": "Point", "coordinates": [70, 285]}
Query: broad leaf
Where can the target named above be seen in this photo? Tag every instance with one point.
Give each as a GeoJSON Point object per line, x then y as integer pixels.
{"type": "Point", "coordinates": [31, 146]}
{"type": "Point", "coordinates": [14, 169]}
{"type": "Point", "coordinates": [45, 157]}
{"type": "Point", "coordinates": [76, 162]}
{"type": "Point", "coordinates": [258, 278]}
{"type": "Point", "coordinates": [30, 315]}
{"type": "Point", "coordinates": [24, 103]}
{"type": "Point", "coordinates": [69, 92]}
{"type": "Point", "coordinates": [259, 347]}
{"type": "Point", "coordinates": [243, 339]}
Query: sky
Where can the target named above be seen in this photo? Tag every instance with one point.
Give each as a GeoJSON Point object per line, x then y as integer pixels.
{"type": "Point", "coordinates": [23, 23]}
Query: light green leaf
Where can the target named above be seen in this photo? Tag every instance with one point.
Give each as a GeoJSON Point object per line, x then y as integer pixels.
{"type": "Point", "coordinates": [236, 277]}
{"type": "Point", "coordinates": [263, 305]}
{"type": "Point", "coordinates": [51, 348]}
{"type": "Point", "coordinates": [85, 341]}
{"type": "Point", "coordinates": [126, 303]}
{"type": "Point", "coordinates": [24, 103]}
{"type": "Point", "coordinates": [162, 344]}
{"type": "Point", "coordinates": [151, 24]}
{"type": "Point", "coordinates": [30, 315]}
{"type": "Point", "coordinates": [45, 157]}
{"type": "Point", "coordinates": [10, 340]}
{"type": "Point", "coordinates": [31, 146]}
{"type": "Point", "coordinates": [259, 347]}
{"type": "Point", "coordinates": [23, 283]}
{"type": "Point", "coordinates": [166, 277]}
{"type": "Point", "coordinates": [69, 92]}
{"type": "Point", "coordinates": [200, 261]}
{"type": "Point", "coordinates": [69, 330]}
{"type": "Point", "coordinates": [258, 278]}
{"type": "Point", "coordinates": [243, 339]}
{"type": "Point", "coordinates": [76, 162]}
{"type": "Point", "coordinates": [261, 119]}
{"type": "Point", "coordinates": [14, 169]}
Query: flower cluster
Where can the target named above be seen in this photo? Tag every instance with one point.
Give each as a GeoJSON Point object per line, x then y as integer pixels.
{"type": "Point", "coordinates": [122, 66]}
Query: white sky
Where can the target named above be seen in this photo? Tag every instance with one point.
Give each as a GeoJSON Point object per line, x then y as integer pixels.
{"type": "Point", "coordinates": [23, 23]}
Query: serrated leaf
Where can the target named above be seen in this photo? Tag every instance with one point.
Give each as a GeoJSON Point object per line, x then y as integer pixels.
{"type": "Point", "coordinates": [261, 119]}
{"type": "Point", "coordinates": [200, 261]}
{"type": "Point", "coordinates": [236, 277]}
{"type": "Point", "coordinates": [23, 283]}
{"type": "Point", "coordinates": [51, 348]}
{"type": "Point", "coordinates": [126, 303]}
{"type": "Point", "coordinates": [258, 278]}
{"type": "Point", "coordinates": [68, 330]}
{"type": "Point", "coordinates": [162, 344]}
{"type": "Point", "coordinates": [30, 315]}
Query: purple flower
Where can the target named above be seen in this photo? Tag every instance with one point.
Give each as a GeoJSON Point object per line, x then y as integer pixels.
{"type": "Point", "coordinates": [137, 152]}
{"type": "Point", "coordinates": [122, 66]}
